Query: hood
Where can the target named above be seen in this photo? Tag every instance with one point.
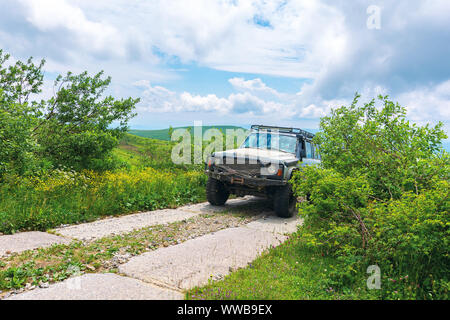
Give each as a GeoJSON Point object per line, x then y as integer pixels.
{"type": "Point", "coordinates": [263, 155]}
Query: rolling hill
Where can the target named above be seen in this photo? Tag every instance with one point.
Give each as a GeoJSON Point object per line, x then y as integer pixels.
{"type": "Point", "coordinates": [163, 134]}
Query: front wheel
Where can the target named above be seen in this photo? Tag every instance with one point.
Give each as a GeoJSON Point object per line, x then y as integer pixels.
{"type": "Point", "coordinates": [216, 192]}
{"type": "Point", "coordinates": [284, 202]}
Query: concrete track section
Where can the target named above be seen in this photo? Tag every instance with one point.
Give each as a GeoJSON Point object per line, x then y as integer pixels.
{"type": "Point", "coordinates": [27, 241]}
{"type": "Point", "coordinates": [107, 286]}
{"type": "Point", "coordinates": [124, 224]}
{"type": "Point", "coordinates": [212, 256]}
{"type": "Point", "coordinates": [167, 272]}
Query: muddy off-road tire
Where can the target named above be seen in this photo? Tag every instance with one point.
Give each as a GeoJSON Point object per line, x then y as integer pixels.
{"type": "Point", "coordinates": [216, 192]}
{"type": "Point", "coordinates": [284, 202]}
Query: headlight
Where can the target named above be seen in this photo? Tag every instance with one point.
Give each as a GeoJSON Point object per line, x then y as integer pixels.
{"type": "Point", "coordinates": [210, 162]}
{"type": "Point", "coordinates": [273, 169]}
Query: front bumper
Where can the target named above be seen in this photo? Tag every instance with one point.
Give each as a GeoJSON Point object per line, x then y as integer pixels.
{"type": "Point", "coordinates": [235, 178]}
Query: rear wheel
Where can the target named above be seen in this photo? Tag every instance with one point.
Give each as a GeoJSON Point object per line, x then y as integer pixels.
{"type": "Point", "coordinates": [216, 192]}
{"type": "Point", "coordinates": [284, 202]}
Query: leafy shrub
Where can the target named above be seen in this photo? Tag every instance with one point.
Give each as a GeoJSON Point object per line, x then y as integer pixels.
{"type": "Point", "coordinates": [411, 240]}
{"type": "Point", "coordinates": [337, 205]}
{"type": "Point", "coordinates": [15, 144]}
{"type": "Point", "coordinates": [380, 197]}
{"type": "Point", "coordinates": [382, 144]}
{"type": "Point", "coordinates": [73, 128]}
{"type": "Point", "coordinates": [408, 238]}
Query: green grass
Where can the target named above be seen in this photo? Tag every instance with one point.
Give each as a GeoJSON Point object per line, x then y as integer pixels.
{"type": "Point", "coordinates": [146, 180]}
{"type": "Point", "coordinates": [62, 199]}
{"type": "Point", "coordinates": [163, 134]}
{"type": "Point", "coordinates": [290, 271]}
{"type": "Point", "coordinates": [139, 152]}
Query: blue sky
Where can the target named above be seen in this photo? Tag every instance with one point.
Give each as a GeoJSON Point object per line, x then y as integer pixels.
{"type": "Point", "coordinates": [204, 80]}
{"type": "Point", "coordinates": [243, 62]}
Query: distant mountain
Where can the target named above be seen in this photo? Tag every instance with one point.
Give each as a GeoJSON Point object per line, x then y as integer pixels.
{"type": "Point", "coordinates": [163, 134]}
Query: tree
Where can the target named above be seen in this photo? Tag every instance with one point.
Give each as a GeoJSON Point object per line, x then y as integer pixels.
{"type": "Point", "coordinates": [379, 198]}
{"type": "Point", "coordinates": [75, 126]}
{"type": "Point", "coordinates": [78, 126]}
{"type": "Point", "coordinates": [15, 144]}
{"type": "Point", "coordinates": [18, 82]}
{"type": "Point", "coordinates": [381, 143]}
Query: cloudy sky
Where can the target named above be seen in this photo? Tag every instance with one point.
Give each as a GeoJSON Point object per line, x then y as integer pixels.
{"type": "Point", "coordinates": [242, 62]}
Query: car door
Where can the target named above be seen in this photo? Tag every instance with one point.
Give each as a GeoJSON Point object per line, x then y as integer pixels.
{"type": "Point", "coordinates": [310, 154]}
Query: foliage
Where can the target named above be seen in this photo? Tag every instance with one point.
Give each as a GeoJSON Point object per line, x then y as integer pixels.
{"type": "Point", "coordinates": [411, 240]}
{"type": "Point", "coordinates": [381, 197]}
{"type": "Point", "coordinates": [71, 129]}
{"type": "Point", "coordinates": [381, 144]}
{"type": "Point", "coordinates": [406, 237]}
{"type": "Point", "coordinates": [18, 81]}
{"type": "Point", "coordinates": [15, 144]}
{"type": "Point", "coordinates": [75, 127]}
{"type": "Point", "coordinates": [335, 208]}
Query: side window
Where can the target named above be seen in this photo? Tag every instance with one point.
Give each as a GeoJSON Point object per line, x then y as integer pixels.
{"type": "Point", "coordinates": [316, 153]}
{"type": "Point", "coordinates": [309, 153]}
{"type": "Point", "coordinates": [302, 145]}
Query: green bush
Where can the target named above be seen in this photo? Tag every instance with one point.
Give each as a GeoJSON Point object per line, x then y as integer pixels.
{"type": "Point", "coordinates": [407, 238]}
{"type": "Point", "coordinates": [380, 198]}
{"type": "Point", "coordinates": [71, 129]}
{"type": "Point", "coordinates": [15, 144]}
{"type": "Point", "coordinates": [380, 143]}
{"type": "Point", "coordinates": [336, 204]}
{"type": "Point", "coordinates": [410, 240]}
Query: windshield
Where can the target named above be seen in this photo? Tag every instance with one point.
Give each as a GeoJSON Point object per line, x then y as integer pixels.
{"type": "Point", "coordinates": [271, 141]}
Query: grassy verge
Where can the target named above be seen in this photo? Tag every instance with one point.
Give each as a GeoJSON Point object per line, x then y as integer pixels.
{"type": "Point", "coordinates": [143, 178]}
{"type": "Point", "coordinates": [138, 152]}
{"type": "Point", "coordinates": [290, 271]}
{"type": "Point", "coordinates": [57, 263]}
{"type": "Point", "coordinates": [70, 197]}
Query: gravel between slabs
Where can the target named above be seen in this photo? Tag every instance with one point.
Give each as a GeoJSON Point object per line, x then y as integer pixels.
{"type": "Point", "coordinates": [129, 245]}
{"type": "Point", "coordinates": [178, 233]}
{"type": "Point", "coordinates": [127, 223]}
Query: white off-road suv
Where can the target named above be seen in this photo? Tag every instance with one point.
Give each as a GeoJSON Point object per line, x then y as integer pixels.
{"type": "Point", "coordinates": [261, 166]}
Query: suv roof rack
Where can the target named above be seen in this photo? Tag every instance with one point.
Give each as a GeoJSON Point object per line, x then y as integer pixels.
{"type": "Point", "coordinates": [297, 131]}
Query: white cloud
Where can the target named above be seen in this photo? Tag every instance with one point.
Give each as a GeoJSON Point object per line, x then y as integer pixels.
{"type": "Point", "coordinates": [57, 15]}
{"type": "Point", "coordinates": [160, 99]}
{"type": "Point", "coordinates": [250, 101]}
{"type": "Point", "coordinates": [313, 111]}
{"type": "Point", "coordinates": [206, 103]}
{"type": "Point", "coordinates": [255, 85]}
{"type": "Point", "coordinates": [325, 41]}
{"type": "Point", "coordinates": [428, 103]}
{"type": "Point", "coordinates": [424, 105]}
{"type": "Point", "coordinates": [217, 34]}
